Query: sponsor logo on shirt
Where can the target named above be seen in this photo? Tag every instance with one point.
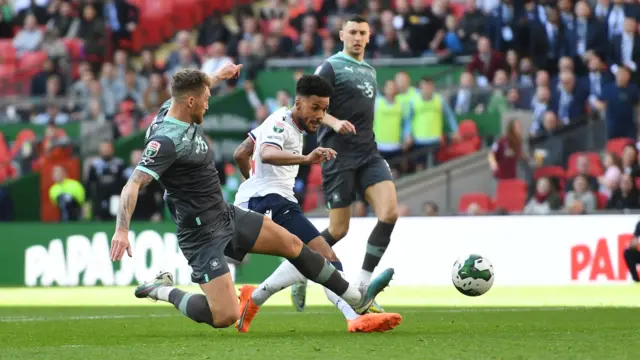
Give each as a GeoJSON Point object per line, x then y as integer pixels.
{"type": "Point", "coordinates": [278, 127]}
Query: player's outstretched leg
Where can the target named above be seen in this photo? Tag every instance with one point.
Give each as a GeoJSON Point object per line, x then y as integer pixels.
{"type": "Point", "coordinates": [193, 306]}
{"type": "Point", "coordinates": [275, 240]}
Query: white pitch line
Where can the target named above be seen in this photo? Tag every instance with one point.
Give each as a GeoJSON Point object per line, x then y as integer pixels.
{"type": "Point", "coordinates": [16, 319]}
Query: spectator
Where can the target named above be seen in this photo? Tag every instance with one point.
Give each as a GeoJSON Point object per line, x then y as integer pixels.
{"type": "Point", "coordinates": [544, 200]}
{"type": "Point", "coordinates": [89, 26]}
{"type": "Point", "coordinates": [149, 64]}
{"type": "Point", "coordinates": [306, 47]}
{"type": "Point", "coordinates": [283, 99]}
{"type": "Point", "coordinates": [485, 62]}
{"type": "Point", "coordinates": [596, 79]}
{"type": "Point", "coordinates": [121, 63]}
{"type": "Point", "coordinates": [373, 13]}
{"type": "Point", "coordinates": [501, 25]}
{"type": "Point", "coordinates": [406, 92]}
{"type": "Point", "coordinates": [512, 65]}
{"type": "Point", "coordinates": [122, 18]}
{"type": "Point", "coordinates": [39, 82]}
{"type": "Point", "coordinates": [630, 160]}
{"type": "Point", "coordinates": [474, 209]}
{"type": "Point", "coordinates": [611, 178]}
{"type": "Point", "coordinates": [428, 113]}
{"type": "Point", "coordinates": [62, 20]}
{"type": "Point", "coordinates": [625, 47]}
{"type": "Point", "coordinates": [546, 42]}
{"type": "Point", "coordinates": [525, 75]}
{"type": "Point", "coordinates": [404, 210]}
{"type": "Point", "coordinates": [107, 99]}
{"type": "Point", "coordinates": [155, 94]}
{"type": "Point", "coordinates": [150, 205]}
{"type": "Point", "coordinates": [342, 8]}
{"type": "Point", "coordinates": [498, 102]}
{"type": "Point", "coordinates": [104, 183]}
{"type": "Point", "coordinates": [465, 101]}
{"type": "Point", "coordinates": [54, 87]}
{"type": "Point", "coordinates": [620, 101]}
{"type": "Point", "coordinates": [451, 40]}
{"type": "Point", "coordinates": [550, 125]}
{"type": "Point", "coordinates": [26, 8]}
{"type": "Point", "coordinates": [430, 209]}
{"type": "Point", "coordinates": [134, 87]}
{"type": "Point", "coordinates": [632, 255]}
{"type": "Point", "coordinates": [309, 9]}
{"type": "Point", "coordinates": [94, 113]}
{"type": "Point", "coordinates": [80, 89]}
{"type": "Point", "coordinates": [53, 136]}
{"type": "Point", "coordinates": [183, 42]}
{"type": "Point", "coordinates": [615, 18]}
{"type": "Point", "coordinates": [55, 48]}
{"type": "Point", "coordinates": [626, 196]}
{"type": "Point", "coordinates": [249, 30]}
{"type": "Point", "coordinates": [187, 61]}
{"type": "Point", "coordinates": [250, 62]}
{"type": "Point", "coordinates": [310, 26]}
{"type": "Point", "coordinates": [216, 58]}
{"type": "Point", "coordinates": [582, 167]}
{"type": "Point", "coordinates": [582, 194]}
{"type": "Point", "coordinates": [472, 25]}
{"type": "Point", "coordinates": [52, 114]}
{"type": "Point", "coordinates": [279, 45]}
{"type": "Point", "coordinates": [111, 82]}
{"type": "Point", "coordinates": [587, 34]}
{"type": "Point", "coordinates": [329, 47]}
{"type": "Point", "coordinates": [568, 99]}
{"type": "Point", "coordinates": [29, 38]}
{"type": "Point", "coordinates": [541, 104]}
{"type": "Point", "coordinates": [67, 195]}
{"type": "Point", "coordinates": [213, 30]}
{"type": "Point", "coordinates": [505, 153]}
{"type": "Point", "coordinates": [565, 10]}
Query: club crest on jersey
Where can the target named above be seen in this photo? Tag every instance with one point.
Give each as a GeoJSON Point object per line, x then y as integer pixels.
{"type": "Point", "coordinates": [278, 127]}
{"type": "Point", "coordinates": [152, 149]}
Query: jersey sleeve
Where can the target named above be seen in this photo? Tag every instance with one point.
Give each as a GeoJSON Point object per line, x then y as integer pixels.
{"type": "Point", "coordinates": [157, 157]}
{"type": "Point", "coordinates": [326, 71]}
{"type": "Point", "coordinates": [272, 133]}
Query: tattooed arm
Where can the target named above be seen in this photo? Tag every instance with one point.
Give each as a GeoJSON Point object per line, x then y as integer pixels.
{"type": "Point", "coordinates": [242, 156]}
{"type": "Point", "coordinates": [129, 197]}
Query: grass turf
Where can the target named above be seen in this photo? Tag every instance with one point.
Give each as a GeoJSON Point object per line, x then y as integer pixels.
{"type": "Point", "coordinates": [507, 323]}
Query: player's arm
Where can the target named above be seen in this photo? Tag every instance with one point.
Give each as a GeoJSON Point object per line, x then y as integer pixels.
{"type": "Point", "coordinates": [273, 155]}
{"type": "Point", "coordinates": [157, 157]}
{"type": "Point", "coordinates": [340, 126]}
{"type": "Point", "coordinates": [242, 156]}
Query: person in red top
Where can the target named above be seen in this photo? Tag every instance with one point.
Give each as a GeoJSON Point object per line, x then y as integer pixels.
{"type": "Point", "coordinates": [505, 153]}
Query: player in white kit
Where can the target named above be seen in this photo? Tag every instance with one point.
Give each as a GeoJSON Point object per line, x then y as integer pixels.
{"type": "Point", "coordinates": [269, 158]}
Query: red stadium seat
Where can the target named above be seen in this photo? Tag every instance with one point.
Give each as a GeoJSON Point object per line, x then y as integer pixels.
{"type": "Point", "coordinates": [512, 185]}
{"type": "Point", "coordinates": [602, 200]}
{"type": "Point", "coordinates": [555, 173]}
{"type": "Point", "coordinates": [5, 154]}
{"type": "Point", "coordinates": [617, 145]}
{"type": "Point", "coordinates": [511, 201]}
{"type": "Point", "coordinates": [7, 52]}
{"type": "Point", "coordinates": [315, 176]}
{"type": "Point", "coordinates": [310, 200]}
{"type": "Point", "coordinates": [483, 200]}
{"type": "Point", "coordinates": [32, 63]}
{"type": "Point", "coordinates": [25, 135]}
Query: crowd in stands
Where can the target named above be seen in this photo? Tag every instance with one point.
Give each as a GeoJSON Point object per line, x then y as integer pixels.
{"type": "Point", "coordinates": [565, 61]}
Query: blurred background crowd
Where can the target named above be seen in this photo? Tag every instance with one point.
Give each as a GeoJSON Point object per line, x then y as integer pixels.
{"type": "Point", "coordinates": [540, 96]}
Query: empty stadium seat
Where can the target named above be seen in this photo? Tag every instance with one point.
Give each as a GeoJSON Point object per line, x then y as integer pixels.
{"type": "Point", "coordinates": [315, 176]}
{"type": "Point", "coordinates": [510, 185]}
{"type": "Point", "coordinates": [32, 62]}
{"type": "Point", "coordinates": [7, 52]}
{"type": "Point", "coordinates": [483, 200]}
{"type": "Point", "coordinates": [511, 195]}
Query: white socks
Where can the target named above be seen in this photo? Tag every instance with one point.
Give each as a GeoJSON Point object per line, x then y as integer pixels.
{"type": "Point", "coordinates": [342, 305]}
{"type": "Point", "coordinates": [365, 277]}
{"type": "Point", "coordinates": [163, 293]}
{"type": "Point", "coordinates": [285, 275]}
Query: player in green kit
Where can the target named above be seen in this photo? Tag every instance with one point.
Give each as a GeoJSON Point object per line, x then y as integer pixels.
{"type": "Point", "coordinates": [359, 170]}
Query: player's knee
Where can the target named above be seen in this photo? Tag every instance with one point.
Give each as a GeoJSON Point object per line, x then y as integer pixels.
{"type": "Point", "coordinates": [292, 246]}
{"type": "Point", "coordinates": [226, 318]}
{"type": "Point", "coordinates": [389, 215]}
{"type": "Point", "coordinates": [340, 230]}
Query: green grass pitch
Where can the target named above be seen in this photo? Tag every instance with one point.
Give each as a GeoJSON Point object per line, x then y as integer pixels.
{"type": "Point", "coordinates": [595, 322]}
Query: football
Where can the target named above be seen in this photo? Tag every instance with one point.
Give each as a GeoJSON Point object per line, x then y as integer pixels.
{"type": "Point", "coordinates": [472, 275]}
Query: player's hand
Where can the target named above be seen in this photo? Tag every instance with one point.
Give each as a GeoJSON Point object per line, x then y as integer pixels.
{"type": "Point", "coordinates": [344, 127]}
{"type": "Point", "coordinates": [120, 243]}
{"type": "Point", "coordinates": [228, 71]}
{"type": "Point", "coordinates": [320, 155]}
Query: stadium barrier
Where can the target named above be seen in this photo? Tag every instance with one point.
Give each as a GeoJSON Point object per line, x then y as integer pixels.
{"type": "Point", "coordinates": [525, 251]}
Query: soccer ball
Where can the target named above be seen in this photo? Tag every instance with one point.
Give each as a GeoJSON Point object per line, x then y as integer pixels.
{"type": "Point", "coordinates": [472, 275]}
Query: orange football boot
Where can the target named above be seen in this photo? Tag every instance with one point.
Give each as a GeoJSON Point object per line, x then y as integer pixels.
{"type": "Point", "coordinates": [248, 309]}
{"type": "Point", "coordinates": [374, 322]}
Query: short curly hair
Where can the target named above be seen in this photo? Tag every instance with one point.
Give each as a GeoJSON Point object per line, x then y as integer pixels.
{"type": "Point", "coordinates": [189, 81]}
{"type": "Point", "coordinates": [313, 85]}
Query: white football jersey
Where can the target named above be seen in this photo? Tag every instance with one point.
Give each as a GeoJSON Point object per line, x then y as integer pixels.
{"type": "Point", "coordinates": [280, 131]}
